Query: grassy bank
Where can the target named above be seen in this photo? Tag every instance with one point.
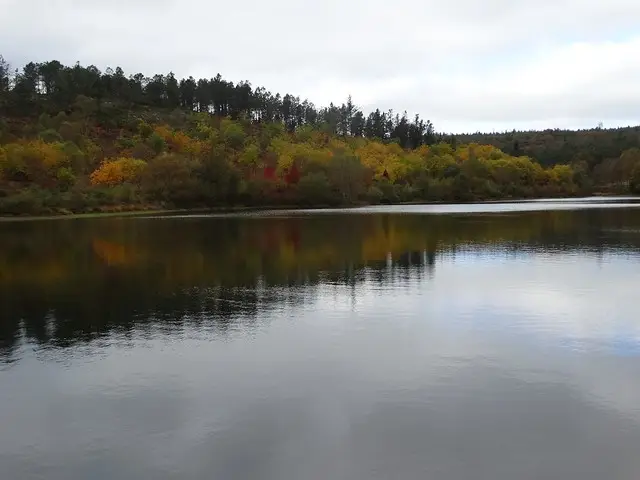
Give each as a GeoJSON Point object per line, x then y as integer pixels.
{"type": "Point", "coordinates": [147, 210]}
{"type": "Point", "coordinates": [70, 216]}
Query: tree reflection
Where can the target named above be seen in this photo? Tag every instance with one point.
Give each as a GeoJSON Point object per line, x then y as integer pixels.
{"type": "Point", "coordinates": [69, 281]}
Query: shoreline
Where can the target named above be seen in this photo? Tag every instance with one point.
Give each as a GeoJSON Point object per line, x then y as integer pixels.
{"type": "Point", "coordinates": [244, 208]}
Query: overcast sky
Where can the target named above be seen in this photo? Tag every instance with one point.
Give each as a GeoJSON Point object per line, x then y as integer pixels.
{"type": "Point", "coordinates": [465, 64]}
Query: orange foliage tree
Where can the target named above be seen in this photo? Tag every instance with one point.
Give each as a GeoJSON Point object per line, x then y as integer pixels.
{"type": "Point", "coordinates": [117, 171]}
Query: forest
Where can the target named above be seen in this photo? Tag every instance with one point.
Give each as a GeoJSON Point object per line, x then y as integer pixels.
{"type": "Point", "coordinates": [74, 139]}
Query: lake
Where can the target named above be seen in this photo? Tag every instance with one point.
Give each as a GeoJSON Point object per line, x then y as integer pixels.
{"type": "Point", "coordinates": [491, 341]}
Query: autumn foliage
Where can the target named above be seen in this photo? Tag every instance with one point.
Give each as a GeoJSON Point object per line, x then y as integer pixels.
{"type": "Point", "coordinates": [33, 161]}
{"type": "Point", "coordinates": [116, 142]}
{"type": "Point", "coordinates": [212, 162]}
{"type": "Point", "coordinates": [117, 171]}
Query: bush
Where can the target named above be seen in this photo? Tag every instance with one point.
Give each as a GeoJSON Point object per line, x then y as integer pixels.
{"type": "Point", "coordinates": [634, 182]}
{"type": "Point", "coordinates": [92, 152]}
{"type": "Point", "coordinates": [12, 165]}
{"type": "Point", "coordinates": [118, 171]}
{"type": "Point", "coordinates": [157, 143]}
{"type": "Point", "coordinates": [142, 151]}
{"type": "Point", "coordinates": [232, 133]}
{"type": "Point", "coordinates": [257, 191]}
{"type": "Point", "coordinates": [75, 157]}
{"type": "Point", "coordinates": [406, 193]}
{"type": "Point", "coordinates": [44, 121]}
{"type": "Point", "coordinates": [26, 202]}
{"type": "Point", "coordinates": [489, 189]}
{"type": "Point", "coordinates": [439, 190]}
{"type": "Point", "coordinates": [50, 136]}
{"type": "Point", "coordinates": [78, 200]}
{"type": "Point", "coordinates": [70, 131]}
{"type": "Point", "coordinates": [171, 177]}
{"type": "Point", "coordinates": [34, 161]}
{"type": "Point", "coordinates": [58, 120]}
{"type": "Point", "coordinates": [126, 194]}
{"type": "Point", "coordinates": [389, 192]}
{"type": "Point", "coordinates": [65, 178]}
{"type": "Point", "coordinates": [4, 130]}
{"type": "Point", "coordinates": [315, 189]}
{"type": "Point", "coordinates": [219, 180]}
{"type": "Point", "coordinates": [125, 142]}
{"type": "Point", "coordinates": [144, 129]}
{"type": "Point", "coordinates": [374, 194]}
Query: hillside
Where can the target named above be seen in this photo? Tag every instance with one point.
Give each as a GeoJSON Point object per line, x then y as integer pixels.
{"type": "Point", "coordinates": [592, 146]}
{"type": "Point", "coordinates": [74, 139]}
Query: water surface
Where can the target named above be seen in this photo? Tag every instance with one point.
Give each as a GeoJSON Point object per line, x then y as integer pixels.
{"type": "Point", "coordinates": [488, 341]}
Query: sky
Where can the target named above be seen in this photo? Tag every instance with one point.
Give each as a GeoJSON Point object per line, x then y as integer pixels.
{"type": "Point", "coordinates": [466, 65]}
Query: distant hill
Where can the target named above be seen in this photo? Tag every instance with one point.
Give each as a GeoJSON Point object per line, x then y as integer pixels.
{"type": "Point", "coordinates": [550, 147]}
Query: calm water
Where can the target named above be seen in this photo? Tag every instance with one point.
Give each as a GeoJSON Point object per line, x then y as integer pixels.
{"type": "Point", "coordinates": [495, 341]}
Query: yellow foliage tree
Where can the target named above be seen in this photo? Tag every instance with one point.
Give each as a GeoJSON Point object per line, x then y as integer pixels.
{"type": "Point", "coordinates": [34, 161]}
{"type": "Point", "coordinates": [250, 155]}
{"type": "Point", "coordinates": [437, 165]}
{"type": "Point", "coordinates": [117, 171]}
{"type": "Point", "coordinates": [179, 141]}
{"type": "Point", "coordinates": [562, 174]}
{"type": "Point", "coordinates": [409, 166]}
{"type": "Point", "coordinates": [380, 158]}
{"type": "Point", "coordinates": [164, 132]}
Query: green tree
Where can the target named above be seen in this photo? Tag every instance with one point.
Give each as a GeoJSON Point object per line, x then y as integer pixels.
{"type": "Point", "coordinates": [172, 178]}
{"type": "Point", "coordinates": [220, 181]}
{"type": "Point", "coordinates": [5, 82]}
{"type": "Point", "coordinates": [315, 189]}
{"type": "Point", "coordinates": [348, 175]}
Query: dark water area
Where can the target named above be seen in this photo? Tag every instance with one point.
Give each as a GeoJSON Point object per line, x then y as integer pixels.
{"type": "Point", "coordinates": [487, 341]}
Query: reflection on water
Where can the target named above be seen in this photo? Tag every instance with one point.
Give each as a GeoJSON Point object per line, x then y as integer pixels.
{"type": "Point", "coordinates": [72, 281]}
{"type": "Point", "coordinates": [329, 345]}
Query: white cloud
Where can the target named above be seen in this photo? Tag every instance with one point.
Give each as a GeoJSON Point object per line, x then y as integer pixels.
{"type": "Point", "coordinates": [576, 85]}
{"type": "Point", "coordinates": [466, 65]}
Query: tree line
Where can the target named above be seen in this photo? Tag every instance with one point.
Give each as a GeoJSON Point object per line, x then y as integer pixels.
{"type": "Point", "coordinates": [589, 146]}
{"type": "Point", "coordinates": [51, 86]}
